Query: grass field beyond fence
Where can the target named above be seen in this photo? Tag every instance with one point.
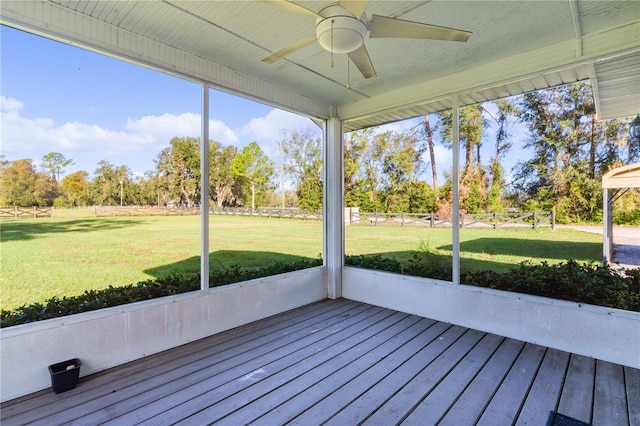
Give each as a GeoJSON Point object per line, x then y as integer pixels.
{"type": "Point", "coordinates": [66, 255]}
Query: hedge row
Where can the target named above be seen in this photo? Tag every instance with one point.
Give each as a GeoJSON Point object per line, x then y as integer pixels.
{"type": "Point", "coordinates": [582, 283]}
{"type": "Point", "coordinates": [92, 300]}
{"type": "Point", "coordinates": [591, 284]}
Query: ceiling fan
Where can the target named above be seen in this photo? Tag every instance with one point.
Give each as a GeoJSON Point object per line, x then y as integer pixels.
{"type": "Point", "coordinates": [342, 28]}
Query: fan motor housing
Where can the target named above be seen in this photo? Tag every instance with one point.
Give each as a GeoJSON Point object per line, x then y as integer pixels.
{"type": "Point", "coordinates": [339, 31]}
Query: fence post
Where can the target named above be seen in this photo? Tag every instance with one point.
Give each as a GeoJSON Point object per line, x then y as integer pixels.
{"type": "Point", "coordinates": [535, 220]}
{"type": "Point", "coordinates": [402, 219]}
{"type": "Point", "coordinates": [461, 224]}
{"type": "Point", "coordinates": [553, 218]}
{"type": "Point", "coordinates": [15, 211]}
{"type": "Point", "coordinates": [495, 221]}
{"type": "Point", "coordinates": [432, 219]}
{"type": "Point", "coordinates": [35, 212]}
{"type": "Point", "coordinates": [375, 215]}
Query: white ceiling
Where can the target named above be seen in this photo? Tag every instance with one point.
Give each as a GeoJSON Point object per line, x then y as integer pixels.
{"type": "Point", "coordinates": [516, 46]}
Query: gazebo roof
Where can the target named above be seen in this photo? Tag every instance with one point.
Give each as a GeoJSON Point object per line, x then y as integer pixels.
{"type": "Point", "coordinates": [622, 177]}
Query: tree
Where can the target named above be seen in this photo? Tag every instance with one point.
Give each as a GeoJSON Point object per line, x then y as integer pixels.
{"type": "Point", "coordinates": [255, 167]}
{"type": "Point", "coordinates": [473, 193]}
{"type": "Point", "coordinates": [359, 186]}
{"type": "Point", "coordinates": [572, 150]}
{"type": "Point", "coordinates": [302, 154]}
{"type": "Point", "coordinates": [223, 187]}
{"type": "Point", "coordinates": [424, 132]}
{"type": "Point", "coordinates": [506, 110]}
{"type": "Point", "coordinates": [76, 188]}
{"type": "Point", "coordinates": [179, 168]}
{"type": "Point", "coordinates": [105, 188]}
{"type": "Point", "coordinates": [18, 184]}
{"type": "Point", "coordinates": [54, 163]}
{"type": "Point", "coordinates": [471, 127]}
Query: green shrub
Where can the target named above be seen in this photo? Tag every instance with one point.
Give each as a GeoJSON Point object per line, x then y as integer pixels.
{"type": "Point", "coordinates": [582, 283]}
{"type": "Point", "coordinates": [92, 300]}
{"type": "Point", "coordinates": [377, 262]}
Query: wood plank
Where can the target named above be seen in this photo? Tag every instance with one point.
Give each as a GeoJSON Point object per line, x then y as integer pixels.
{"type": "Point", "coordinates": [437, 403]}
{"type": "Point", "coordinates": [324, 379]}
{"type": "Point", "coordinates": [404, 401]}
{"type": "Point", "coordinates": [505, 404]}
{"type": "Point", "coordinates": [326, 388]}
{"type": "Point", "coordinates": [632, 382]}
{"type": "Point", "coordinates": [576, 399]}
{"type": "Point", "coordinates": [350, 349]}
{"type": "Point", "coordinates": [470, 405]}
{"type": "Point", "coordinates": [176, 406]}
{"type": "Point", "coordinates": [125, 391]}
{"type": "Point", "coordinates": [609, 400]}
{"type": "Point", "coordinates": [545, 392]}
{"type": "Point", "coordinates": [162, 382]}
{"type": "Point", "coordinates": [344, 362]}
{"type": "Point", "coordinates": [104, 383]}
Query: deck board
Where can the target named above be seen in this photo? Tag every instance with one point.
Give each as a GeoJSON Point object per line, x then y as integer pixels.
{"type": "Point", "coordinates": [546, 388]}
{"type": "Point", "coordinates": [505, 404]}
{"type": "Point", "coordinates": [632, 383]}
{"type": "Point", "coordinates": [468, 408]}
{"type": "Point", "coordinates": [609, 400]}
{"type": "Point", "coordinates": [577, 394]}
{"type": "Point", "coordinates": [434, 406]}
{"type": "Point", "coordinates": [342, 362]}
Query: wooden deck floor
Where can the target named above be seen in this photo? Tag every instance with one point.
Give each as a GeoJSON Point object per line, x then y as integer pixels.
{"type": "Point", "coordinates": [344, 363]}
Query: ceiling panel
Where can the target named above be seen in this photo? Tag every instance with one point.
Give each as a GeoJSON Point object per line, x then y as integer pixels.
{"type": "Point", "coordinates": [515, 46]}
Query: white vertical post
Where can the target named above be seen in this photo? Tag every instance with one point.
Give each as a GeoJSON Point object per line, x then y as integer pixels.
{"type": "Point", "coordinates": [204, 191]}
{"type": "Point", "coordinates": [606, 238]}
{"type": "Point", "coordinates": [333, 223]}
{"type": "Point", "coordinates": [455, 178]}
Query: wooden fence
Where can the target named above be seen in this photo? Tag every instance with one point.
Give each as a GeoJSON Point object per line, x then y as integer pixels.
{"type": "Point", "coordinates": [352, 216]}
{"type": "Point", "coordinates": [145, 211]}
{"type": "Point", "coordinates": [25, 212]}
{"type": "Point", "coordinates": [434, 220]}
{"type": "Point", "coordinates": [182, 211]}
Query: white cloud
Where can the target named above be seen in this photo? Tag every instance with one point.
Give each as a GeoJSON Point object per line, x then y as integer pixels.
{"type": "Point", "coordinates": [166, 126]}
{"type": "Point", "coordinates": [10, 105]}
{"type": "Point", "coordinates": [24, 137]}
{"type": "Point", "coordinates": [268, 129]}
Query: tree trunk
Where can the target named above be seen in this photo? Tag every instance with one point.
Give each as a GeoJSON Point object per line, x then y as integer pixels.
{"type": "Point", "coordinates": [592, 147]}
{"type": "Point", "coordinates": [468, 159]}
{"type": "Point", "coordinates": [432, 154]}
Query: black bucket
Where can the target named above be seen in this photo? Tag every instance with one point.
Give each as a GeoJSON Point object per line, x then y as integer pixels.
{"type": "Point", "coordinates": [64, 375]}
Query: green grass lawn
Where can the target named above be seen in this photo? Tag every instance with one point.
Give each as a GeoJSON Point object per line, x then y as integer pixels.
{"type": "Point", "coordinates": [66, 255]}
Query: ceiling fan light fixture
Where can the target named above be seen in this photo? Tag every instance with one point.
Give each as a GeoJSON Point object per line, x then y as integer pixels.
{"type": "Point", "coordinates": [340, 34]}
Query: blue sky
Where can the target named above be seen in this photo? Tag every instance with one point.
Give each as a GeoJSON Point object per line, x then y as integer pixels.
{"type": "Point", "coordinates": [89, 107]}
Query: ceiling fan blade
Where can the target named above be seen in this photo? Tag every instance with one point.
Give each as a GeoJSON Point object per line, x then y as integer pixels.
{"type": "Point", "coordinates": [356, 7]}
{"type": "Point", "coordinates": [383, 26]}
{"type": "Point", "coordinates": [289, 49]}
{"type": "Point", "coordinates": [291, 7]}
{"type": "Point", "coordinates": [360, 57]}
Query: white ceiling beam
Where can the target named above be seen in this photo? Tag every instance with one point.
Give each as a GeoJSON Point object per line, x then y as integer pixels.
{"type": "Point", "coordinates": [62, 24]}
{"type": "Point", "coordinates": [577, 26]}
{"type": "Point", "coordinates": [525, 66]}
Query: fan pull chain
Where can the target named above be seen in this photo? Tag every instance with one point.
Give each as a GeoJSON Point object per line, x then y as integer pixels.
{"type": "Point", "coordinates": [332, 21]}
{"type": "Point", "coordinates": [348, 73]}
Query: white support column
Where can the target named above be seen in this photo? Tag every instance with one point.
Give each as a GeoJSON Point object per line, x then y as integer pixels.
{"type": "Point", "coordinates": [333, 207]}
{"type": "Point", "coordinates": [204, 191]}
{"type": "Point", "coordinates": [455, 180]}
